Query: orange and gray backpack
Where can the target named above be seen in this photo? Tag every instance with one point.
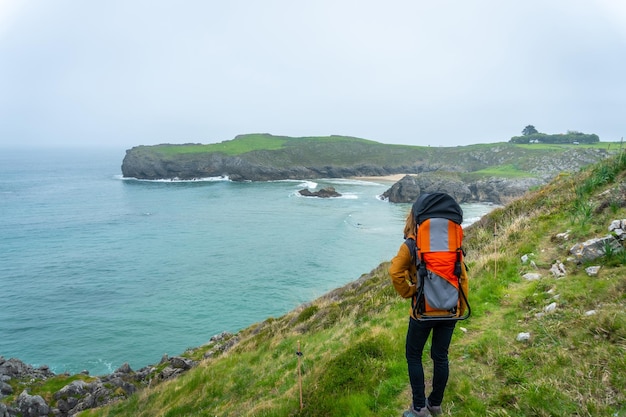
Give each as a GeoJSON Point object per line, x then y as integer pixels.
{"type": "Point", "coordinates": [438, 253]}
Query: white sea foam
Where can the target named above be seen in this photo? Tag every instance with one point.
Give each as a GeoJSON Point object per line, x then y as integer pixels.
{"type": "Point", "coordinates": [301, 183]}
{"type": "Point", "coordinates": [347, 197]}
{"type": "Point", "coordinates": [334, 181]}
{"type": "Point", "coordinates": [175, 179]}
{"type": "Point", "coordinates": [308, 184]}
{"type": "Point", "coordinates": [471, 220]}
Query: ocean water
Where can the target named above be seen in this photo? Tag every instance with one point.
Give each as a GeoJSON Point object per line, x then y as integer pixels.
{"type": "Point", "coordinates": [97, 270]}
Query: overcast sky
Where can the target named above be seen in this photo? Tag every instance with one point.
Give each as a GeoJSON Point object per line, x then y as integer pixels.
{"type": "Point", "coordinates": [439, 73]}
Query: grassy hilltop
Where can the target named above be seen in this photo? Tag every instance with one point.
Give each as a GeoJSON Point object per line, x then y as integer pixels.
{"type": "Point", "coordinates": [352, 339]}
{"type": "Point", "coordinates": [264, 156]}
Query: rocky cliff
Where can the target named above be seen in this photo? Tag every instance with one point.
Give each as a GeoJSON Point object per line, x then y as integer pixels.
{"type": "Point", "coordinates": [304, 158]}
{"type": "Point", "coordinates": [149, 166]}
{"type": "Point", "coordinates": [492, 189]}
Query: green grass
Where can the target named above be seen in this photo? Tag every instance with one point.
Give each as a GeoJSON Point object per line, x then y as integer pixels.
{"type": "Point", "coordinates": [45, 388]}
{"type": "Point", "coordinates": [504, 171]}
{"type": "Point", "coordinates": [557, 146]}
{"type": "Point", "coordinates": [252, 142]}
{"type": "Point", "coordinates": [236, 146]}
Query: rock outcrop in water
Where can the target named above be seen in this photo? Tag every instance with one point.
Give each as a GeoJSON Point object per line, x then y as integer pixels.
{"type": "Point", "coordinates": [327, 192]}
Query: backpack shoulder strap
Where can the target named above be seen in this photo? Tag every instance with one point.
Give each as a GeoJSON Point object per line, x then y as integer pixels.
{"type": "Point", "coordinates": [410, 243]}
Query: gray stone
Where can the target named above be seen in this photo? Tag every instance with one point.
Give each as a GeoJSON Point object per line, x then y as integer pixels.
{"type": "Point", "coordinates": [5, 389]}
{"type": "Point", "coordinates": [124, 369]}
{"type": "Point", "coordinates": [618, 227]}
{"type": "Point", "coordinates": [558, 269]}
{"type": "Point", "coordinates": [32, 405]}
{"type": "Point", "coordinates": [550, 308]}
{"type": "Point", "coordinates": [6, 411]}
{"type": "Point", "coordinates": [564, 235]}
{"type": "Point", "coordinates": [181, 363]}
{"type": "Point", "coordinates": [594, 248]}
{"type": "Point", "coordinates": [531, 276]}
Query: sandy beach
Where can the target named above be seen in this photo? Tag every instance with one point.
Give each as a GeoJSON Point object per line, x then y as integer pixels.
{"type": "Point", "coordinates": [385, 178]}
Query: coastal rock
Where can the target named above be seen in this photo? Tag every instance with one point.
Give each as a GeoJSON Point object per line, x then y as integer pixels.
{"type": "Point", "coordinates": [124, 369]}
{"type": "Point", "coordinates": [404, 191]}
{"type": "Point", "coordinates": [182, 363]}
{"type": "Point", "coordinates": [14, 368]}
{"type": "Point", "coordinates": [6, 411]}
{"type": "Point", "coordinates": [501, 190]}
{"type": "Point", "coordinates": [68, 398]}
{"type": "Point", "coordinates": [90, 392]}
{"type": "Point", "coordinates": [32, 405]}
{"type": "Point", "coordinates": [326, 192]}
{"type": "Point", "coordinates": [494, 190]}
{"type": "Point", "coordinates": [81, 395]}
{"type": "Point", "coordinates": [221, 343]}
{"type": "Point", "coordinates": [411, 186]}
{"type": "Point", "coordinates": [5, 389]}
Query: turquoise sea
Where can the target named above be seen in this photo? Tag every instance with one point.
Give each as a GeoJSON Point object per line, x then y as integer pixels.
{"type": "Point", "coordinates": [97, 270]}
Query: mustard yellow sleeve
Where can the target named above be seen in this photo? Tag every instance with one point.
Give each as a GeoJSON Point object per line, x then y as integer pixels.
{"type": "Point", "coordinates": [403, 273]}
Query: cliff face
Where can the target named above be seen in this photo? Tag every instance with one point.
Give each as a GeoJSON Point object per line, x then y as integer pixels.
{"type": "Point", "coordinates": [143, 165]}
{"type": "Point", "coordinates": [327, 159]}
{"type": "Point", "coordinates": [493, 189]}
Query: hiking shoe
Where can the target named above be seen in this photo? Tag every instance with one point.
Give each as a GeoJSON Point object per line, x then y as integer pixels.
{"type": "Point", "coordinates": [435, 410]}
{"type": "Point", "coordinates": [411, 412]}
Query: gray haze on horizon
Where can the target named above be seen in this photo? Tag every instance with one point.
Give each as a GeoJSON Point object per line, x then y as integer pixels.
{"type": "Point", "coordinates": [446, 73]}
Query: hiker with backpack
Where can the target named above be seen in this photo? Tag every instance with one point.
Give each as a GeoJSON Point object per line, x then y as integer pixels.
{"type": "Point", "coordinates": [429, 269]}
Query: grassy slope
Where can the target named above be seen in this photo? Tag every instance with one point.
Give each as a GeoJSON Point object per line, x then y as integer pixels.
{"type": "Point", "coordinates": [255, 142]}
{"type": "Point", "coordinates": [352, 339]}
{"type": "Point", "coordinates": [280, 151]}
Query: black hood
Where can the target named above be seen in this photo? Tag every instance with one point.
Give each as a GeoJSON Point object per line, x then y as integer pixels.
{"type": "Point", "coordinates": [439, 205]}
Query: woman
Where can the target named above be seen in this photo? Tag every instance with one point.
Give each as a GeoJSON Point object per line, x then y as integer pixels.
{"type": "Point", "coordinates": [403, 273]}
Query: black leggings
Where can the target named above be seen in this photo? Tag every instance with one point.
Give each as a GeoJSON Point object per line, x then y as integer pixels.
{"type": "Point", "coordinates": [416, 338]}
